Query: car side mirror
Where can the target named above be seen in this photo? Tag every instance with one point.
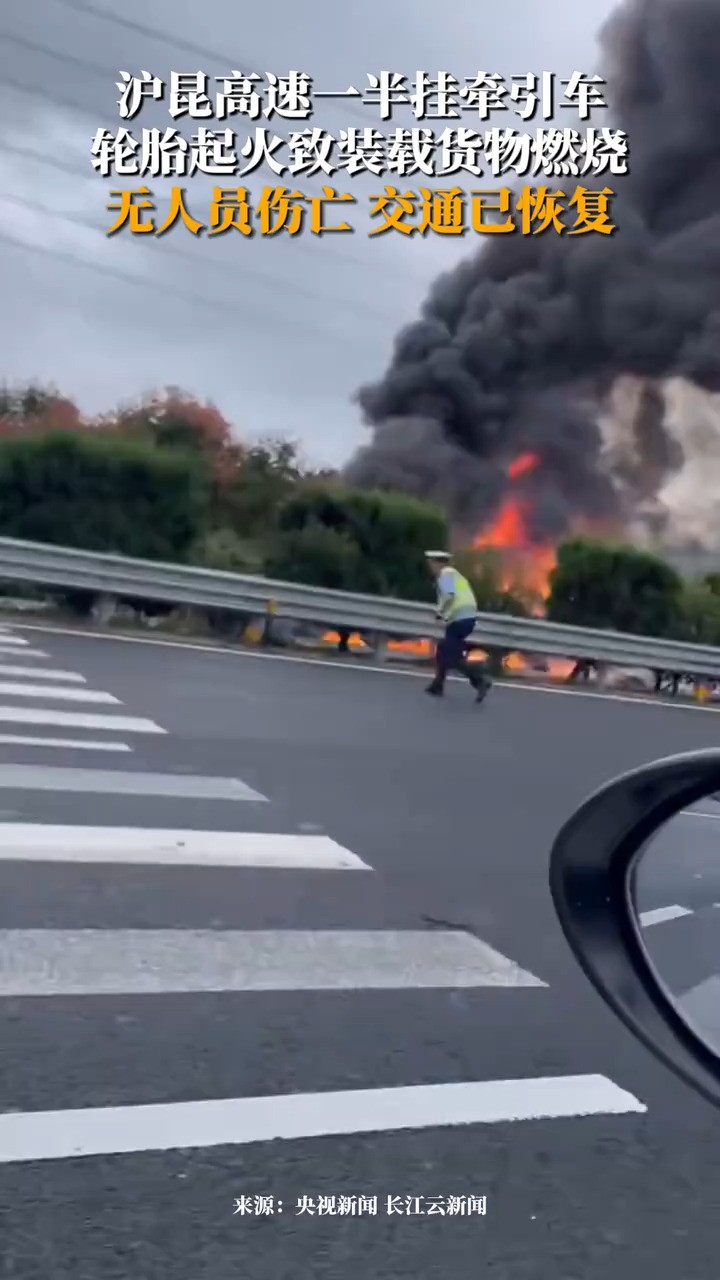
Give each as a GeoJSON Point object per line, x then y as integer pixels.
{"type": "Point", "coordinates": [635, 880]}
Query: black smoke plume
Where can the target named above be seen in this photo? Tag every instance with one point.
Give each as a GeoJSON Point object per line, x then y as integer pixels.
{"type": "Point", "coordinates": [517, 348]}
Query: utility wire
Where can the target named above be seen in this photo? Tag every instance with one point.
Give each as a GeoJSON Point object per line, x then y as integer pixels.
{"type": "Point", "coordinates": [168, 37]}
{"type": "Point", "coordinates": [82, 64]}
{"type": "Point", "coordinates": [32, 90]}
{"type": "Point", "coordinates": [37, 91]}
{"type": "Point", "coordinates": [185, 295]}
{"type": "Point", "coordinates": [244, 273]}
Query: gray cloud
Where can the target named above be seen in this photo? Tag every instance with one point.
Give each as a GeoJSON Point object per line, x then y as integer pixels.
{"type": "Point", "coordinates": [278, 333]}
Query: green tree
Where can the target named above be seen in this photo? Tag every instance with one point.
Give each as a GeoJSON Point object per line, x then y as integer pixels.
{"type": "Point", "coordinates": [223, 549]}
{"type": "Point", "coordinates": [319, 556]}
{"type": "Point", "coordinates": [265, 477]}
{"type": "Point", "coordinates": [598, 584]}
{"type": "Point", "coordinates": [390, 531]}
{"type": "Point", "coordinates": [102, 493]}
{"type": "Point", "coordinates": [699, 615]}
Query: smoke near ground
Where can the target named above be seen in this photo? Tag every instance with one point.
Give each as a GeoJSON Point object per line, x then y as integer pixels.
{"type": "Point", "coordinates": [564, 347]}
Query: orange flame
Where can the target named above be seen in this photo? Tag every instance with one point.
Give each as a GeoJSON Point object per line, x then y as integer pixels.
{"type": "Point", "coordinates": [526, 564]}
{"type": "Point", "coordinates": [523, 465]}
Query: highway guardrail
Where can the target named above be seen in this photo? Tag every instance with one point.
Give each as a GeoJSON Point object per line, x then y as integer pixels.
{"type": "Point", "coordinates": [118, 578]}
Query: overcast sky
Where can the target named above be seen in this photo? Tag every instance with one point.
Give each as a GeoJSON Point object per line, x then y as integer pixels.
{"type": "Point", "coordinates": [278, 333]}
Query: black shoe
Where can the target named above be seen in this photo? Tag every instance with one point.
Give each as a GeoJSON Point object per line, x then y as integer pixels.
{"type": "Point", "coordinates": [482, 689]}
{"type": "Point", "coordinates": [476, 678]}
{"type": "Point", "coordinates": [434, 690]}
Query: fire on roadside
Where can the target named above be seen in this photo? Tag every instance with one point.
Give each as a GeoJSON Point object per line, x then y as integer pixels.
{"type": "Point", "coordinates": [423, 650]}
{"type": "Point", "coordinates": [524, 565]}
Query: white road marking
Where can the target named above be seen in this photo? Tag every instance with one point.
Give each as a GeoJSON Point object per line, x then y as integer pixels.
{"type": "Point", "coordinates": [95, 1131]}
{"type": "Point", "coordinates": [360, 665]}
{"type": "Point", "coordinates": [39, 673]}
{"type": "Point", "coordinates": [149, 846]}
{"type": "Point", "coordinates": [31, 777]}
{"type": "Point", "coordinates": [70, 744]}
{"type": "Point", "coordinates": [26, 653]}
{"type": "Point", "coordinates": [48, 962]}
{"type": "Point", "coordinates": [79, 720]}
{"type": "Point", "coordinates": [698, 813]}
{"type": "Point", "coordinates": [700, 1007]}
{"type": "Point", "coordinates": [660, 914]}
{"type": "Point", "coordinates": [634, 700]}
{"type": "Point", "coordinates": [17, 641]}
{"type": "Point", "coordinates": [11, 689]}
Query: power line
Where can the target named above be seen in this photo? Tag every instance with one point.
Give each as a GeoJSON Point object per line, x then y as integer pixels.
{"type": "Point", "coordinates": [114, 273]}
{"type": "Point", "coordinates": [91, 68]}
{"type": "Point", "coordinates": [243, 273]}
{"type": "Point", "coordinates": [33, 46]}
{"type": "Point", "coordinates": [195, 299]}
{"type": "Point", "coordinates": [74, 105]}
{"type": "Point", "coordinates": [166, 37]}
{"type": "Point", "coordinates": [37, 91]}
{"type": "Point", "coordinates": [26, 153]}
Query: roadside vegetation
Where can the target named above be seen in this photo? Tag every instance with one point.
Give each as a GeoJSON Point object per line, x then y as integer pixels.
{"type": "Point", "coordinates": [165, 479]}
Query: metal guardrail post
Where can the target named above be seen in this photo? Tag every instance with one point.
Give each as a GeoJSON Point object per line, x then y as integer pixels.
{"type": "Point", "coordinates": [104, 609]}
{"type": "Point", "coordinates": [254, 630]}
{"type": "Point", "coordinates": [380, 646]}
{"type": "Point", "coordinates": [271, 610]}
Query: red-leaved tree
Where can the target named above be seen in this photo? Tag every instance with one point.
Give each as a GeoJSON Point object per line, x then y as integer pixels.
{"type": "Point", "coordinates": [174, 419]}
{"type": "Point", "coordinates": [35, 410]}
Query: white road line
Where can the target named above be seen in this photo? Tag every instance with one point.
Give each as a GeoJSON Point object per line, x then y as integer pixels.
{"type": "Point", "coordinates": [39, 673]}
{"type": "Point", "coordinates": [660, 914]}
{"type": "Point", "coordinates": [48, 962]}
{"type": "Point", "coordinates": [359, 665]}
{"type": "Point", "coordinates": [17, 641]}
{"type": "Point", "coordinates": [698, 813]}
{"type": "Point", "coordinates": [11, 689]}
{"type": "Point", "coordinates": [79, 720]}
{"type": "Point", "coordinates": [26, 653]}
{"type": "Point", "coordinates": [700, 1006]}
{"type": "Point", "coordinates": [32, 777]}
{"type": "Point", "coordinates": [96, 1131]}
{"type": "Point", "coordinates": [149, 846]}
{"type": "Point", "coordinates": [70, 744]}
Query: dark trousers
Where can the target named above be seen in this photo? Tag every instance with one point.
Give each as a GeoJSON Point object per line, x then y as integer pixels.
{"type": "Point", "coordinates": [451, 654]}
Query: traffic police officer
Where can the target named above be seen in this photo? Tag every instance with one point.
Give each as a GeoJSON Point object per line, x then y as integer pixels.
{"type": "Point", "coordinates": [457, 608]}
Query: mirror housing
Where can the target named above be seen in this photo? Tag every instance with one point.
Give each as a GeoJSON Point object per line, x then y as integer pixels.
{"type": "Point", "coordinates": [592, 867]}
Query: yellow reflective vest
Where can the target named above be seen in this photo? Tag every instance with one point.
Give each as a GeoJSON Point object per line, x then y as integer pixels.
{"type": "Point", "coordinates": [464, 604]}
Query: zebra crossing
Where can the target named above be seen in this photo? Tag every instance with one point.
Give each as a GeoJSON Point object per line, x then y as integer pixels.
{"type": "Point", "coordinates": [60, 966]}
{"type": "Point", "coordinates": [26, 680]}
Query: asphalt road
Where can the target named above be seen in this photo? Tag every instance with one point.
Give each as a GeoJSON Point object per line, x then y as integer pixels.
{"type": "Point", "coordinates": [681, 864]}
{"type": "Point", "coordinates": [677, 896]}
{"type": "Point", "coordinates": [408, 941]}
